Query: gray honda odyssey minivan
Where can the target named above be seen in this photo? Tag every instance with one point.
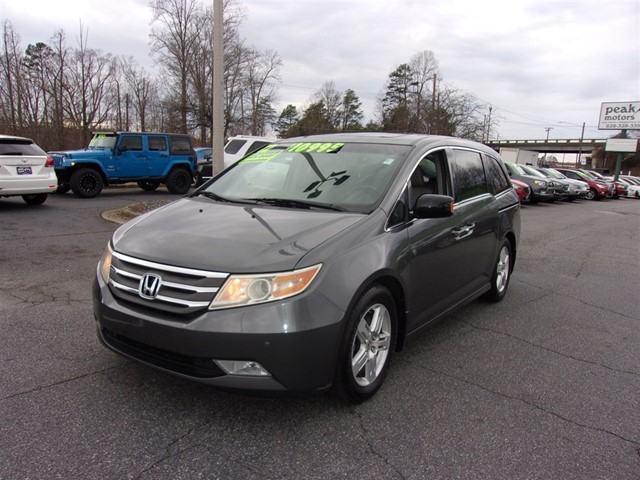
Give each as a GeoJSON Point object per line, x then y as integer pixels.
{"type": "Point", "coordinates": [307, 264]}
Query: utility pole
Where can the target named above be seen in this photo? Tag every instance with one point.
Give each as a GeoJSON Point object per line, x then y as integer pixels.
{"type": "Point", "coordinates": [580, 146]}
{"type": "Point", "coordinates": [217, 130]}
{"type": "Point", "coordinates": [544, 159]}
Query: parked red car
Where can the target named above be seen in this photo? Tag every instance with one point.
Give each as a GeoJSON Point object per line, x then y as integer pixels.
{"type": "Point", "coordinates": [597, 189]}
{"type": "Point", "coordinates": [522, 189]}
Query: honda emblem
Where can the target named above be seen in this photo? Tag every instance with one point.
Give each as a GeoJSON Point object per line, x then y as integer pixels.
{"type": "Point", "coordinates": [149, 286]}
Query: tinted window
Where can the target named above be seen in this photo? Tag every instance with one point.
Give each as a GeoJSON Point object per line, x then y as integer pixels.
{"type": "Point", "coordinates": [469, 179]}
{"type": "Point", "coordinates": [496, 177]}
{"type": "Point", "coordinates": [19, 147]}
{"type": "Point", "coordinates": [234, 146]}
{"type": "Point", "coordinates": [180, 145]}
{"type": "Point", "coordinates": [131, 142]}
{"type": "Point", "coordinates": [256, 145]}
{"type": "Point", "coordinates": [157, 143]}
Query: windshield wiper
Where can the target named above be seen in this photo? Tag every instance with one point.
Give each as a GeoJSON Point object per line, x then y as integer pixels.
{"type": "Point", "coordinates": [218, 198]}
{"type": "Point", "coordinates": [289, 203]}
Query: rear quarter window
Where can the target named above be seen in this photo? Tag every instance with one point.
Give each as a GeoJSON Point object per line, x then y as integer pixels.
{"type": "Point", "coordinates": [234, 146]}
{"type": "Point", "coordinates": [180, 145]}
{"type": "Point", "coordinates": [497, 178]}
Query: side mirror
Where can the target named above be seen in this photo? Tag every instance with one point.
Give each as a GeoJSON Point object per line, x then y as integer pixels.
{"type": "Point", "coordinates": [433, 206]}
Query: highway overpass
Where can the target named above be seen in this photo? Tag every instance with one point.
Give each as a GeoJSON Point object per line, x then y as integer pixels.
{"type": "Point", "coordinates": [550, 146]}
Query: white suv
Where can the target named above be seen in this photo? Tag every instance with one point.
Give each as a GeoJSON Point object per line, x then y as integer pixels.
{"type": "Point", "coordinates": [25, 170]}
{"type": "Point", "coordinates": [236, 148]}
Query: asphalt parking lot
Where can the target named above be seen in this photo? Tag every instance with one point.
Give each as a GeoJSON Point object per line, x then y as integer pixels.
{"type": "Point", "coordinates": [544, 385]}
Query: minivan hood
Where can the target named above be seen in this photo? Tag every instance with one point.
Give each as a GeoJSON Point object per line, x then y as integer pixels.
{"type": "Point", "coordinates": [199, 233]}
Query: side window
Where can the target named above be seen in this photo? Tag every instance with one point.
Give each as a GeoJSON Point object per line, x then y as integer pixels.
{"type": "Point", "coordinates": [429, 176]}
{"type": "Point", "coordinates": [496, 177]}
{"type": "Point", "coordinates": [469, 179]}
{"type": "Point", "coordinates": [180, 145]}
{"type": "Point", "coordinates": [234, 146]}
{"type": "Point", "coordinates": [131, 142]}
{"type": "Point", "coordinates": [157, 144]}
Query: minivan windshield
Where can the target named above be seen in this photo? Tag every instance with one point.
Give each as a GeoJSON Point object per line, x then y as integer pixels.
{"type": "Point", "coordinates": [339, 176]}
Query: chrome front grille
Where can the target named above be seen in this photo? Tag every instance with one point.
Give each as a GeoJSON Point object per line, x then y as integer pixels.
{"type": "Point", "coordinates": [177, 291]}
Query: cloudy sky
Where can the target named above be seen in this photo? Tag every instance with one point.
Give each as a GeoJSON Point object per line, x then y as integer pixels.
{"type": "Point", "coordinates": [537, 63]}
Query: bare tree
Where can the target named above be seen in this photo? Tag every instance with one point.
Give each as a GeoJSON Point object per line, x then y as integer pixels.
{"type": "Point", "coordinates": [175, 43]}
{"type": "Point", "coordinates": [262, 74]}
{"type": "Point", "coordinates": [424, 68]}
{"type": "Point", "coordinates": [11, 78]}
{"type": "Point", "coordinates": [141, 89]}
{"type": "Point", "coordinates": [331, 98]}
{"type": "Point", "coordinates": [87, 87]}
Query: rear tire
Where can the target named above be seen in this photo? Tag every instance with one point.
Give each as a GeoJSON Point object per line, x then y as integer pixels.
{"type": "Point", "coordinates": [179, 181]}
{"type": "Point", "coordinates": [366, 351]}
{"type": "Point", "coordinates": [501, 273]}
{"type": "Point", "coordinates": [35, 198]}
{"type": "Point", "coordinates": [86, 183]}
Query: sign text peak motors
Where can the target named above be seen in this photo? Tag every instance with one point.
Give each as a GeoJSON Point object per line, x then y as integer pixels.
{"type": "Point", "coordinates": [619, 116]}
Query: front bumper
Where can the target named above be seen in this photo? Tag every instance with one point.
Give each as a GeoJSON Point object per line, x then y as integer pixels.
{"type": "Point", "coordinates": [296, 340]}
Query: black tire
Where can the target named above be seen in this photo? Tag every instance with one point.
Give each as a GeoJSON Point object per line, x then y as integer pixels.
{"type": "Point", "coordinates": [198, 179]}
{"type": "Point", "coordinates": [591, 195]}
{"type": "Point", "coordinates": [370, 341]}
{"type": "Point", "coordinates": [35, 198]}
{"type": "Point", "coordinates": [501, 273]}
{"type": "Point", "coordinates": [86, 183]}
{"type": "Point", "coordinates": [63, 188]}
{"type": "Point", "coordinates": [149, 185]}
{"type": "Point", "coordinates": [179, 181]}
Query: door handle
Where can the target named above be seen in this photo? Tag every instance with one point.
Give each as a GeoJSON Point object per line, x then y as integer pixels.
{"type": "Point", "coordinates": [465, 231]}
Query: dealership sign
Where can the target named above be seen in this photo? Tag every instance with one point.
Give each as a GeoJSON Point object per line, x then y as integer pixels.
{"type": "Point", "coordinates": [619, 116]}
{"type": "Point", "coordinates": [624, 145]}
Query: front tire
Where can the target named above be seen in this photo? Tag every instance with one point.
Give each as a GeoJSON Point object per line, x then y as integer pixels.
{"type": "Point", "coordinates": [591, 194]}
{"type": "Point", "coordinates": [366, 352]}
{"type": "Point", "coordinates": [86, 183]}
{"type": "Point", "coordinates": [179, 181]}
{"type": "Point", "coordinates": [35, 198]}
{"type": "Point", "coordinates": [501, 273]}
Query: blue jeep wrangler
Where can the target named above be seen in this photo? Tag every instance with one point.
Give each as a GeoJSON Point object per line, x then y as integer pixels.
{"type": "Point", "coordinates": [120, 157]}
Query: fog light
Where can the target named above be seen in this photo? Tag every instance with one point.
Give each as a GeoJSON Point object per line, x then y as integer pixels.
{"type": "Point", "coordinates": [243, 367]}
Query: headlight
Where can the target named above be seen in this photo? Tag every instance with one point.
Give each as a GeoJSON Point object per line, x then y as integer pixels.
{"type": "Point", "coordinates": [105, 263]}
{"type": "Point", "coordinates": [540, 182]}
{"type": "Point", "coordinates": [241, 290]}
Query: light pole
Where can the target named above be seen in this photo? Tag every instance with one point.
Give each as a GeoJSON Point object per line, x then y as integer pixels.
{"type": "Point", "coordinates": [580, 142]}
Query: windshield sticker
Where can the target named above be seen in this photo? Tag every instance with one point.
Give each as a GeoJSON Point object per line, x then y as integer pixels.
{"type": "Point", "coordinates": [389, 161]}
{"type": "Point", "coordinates": [264, 154]}
{"type": "Point", "coordinates": [315, 147]}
